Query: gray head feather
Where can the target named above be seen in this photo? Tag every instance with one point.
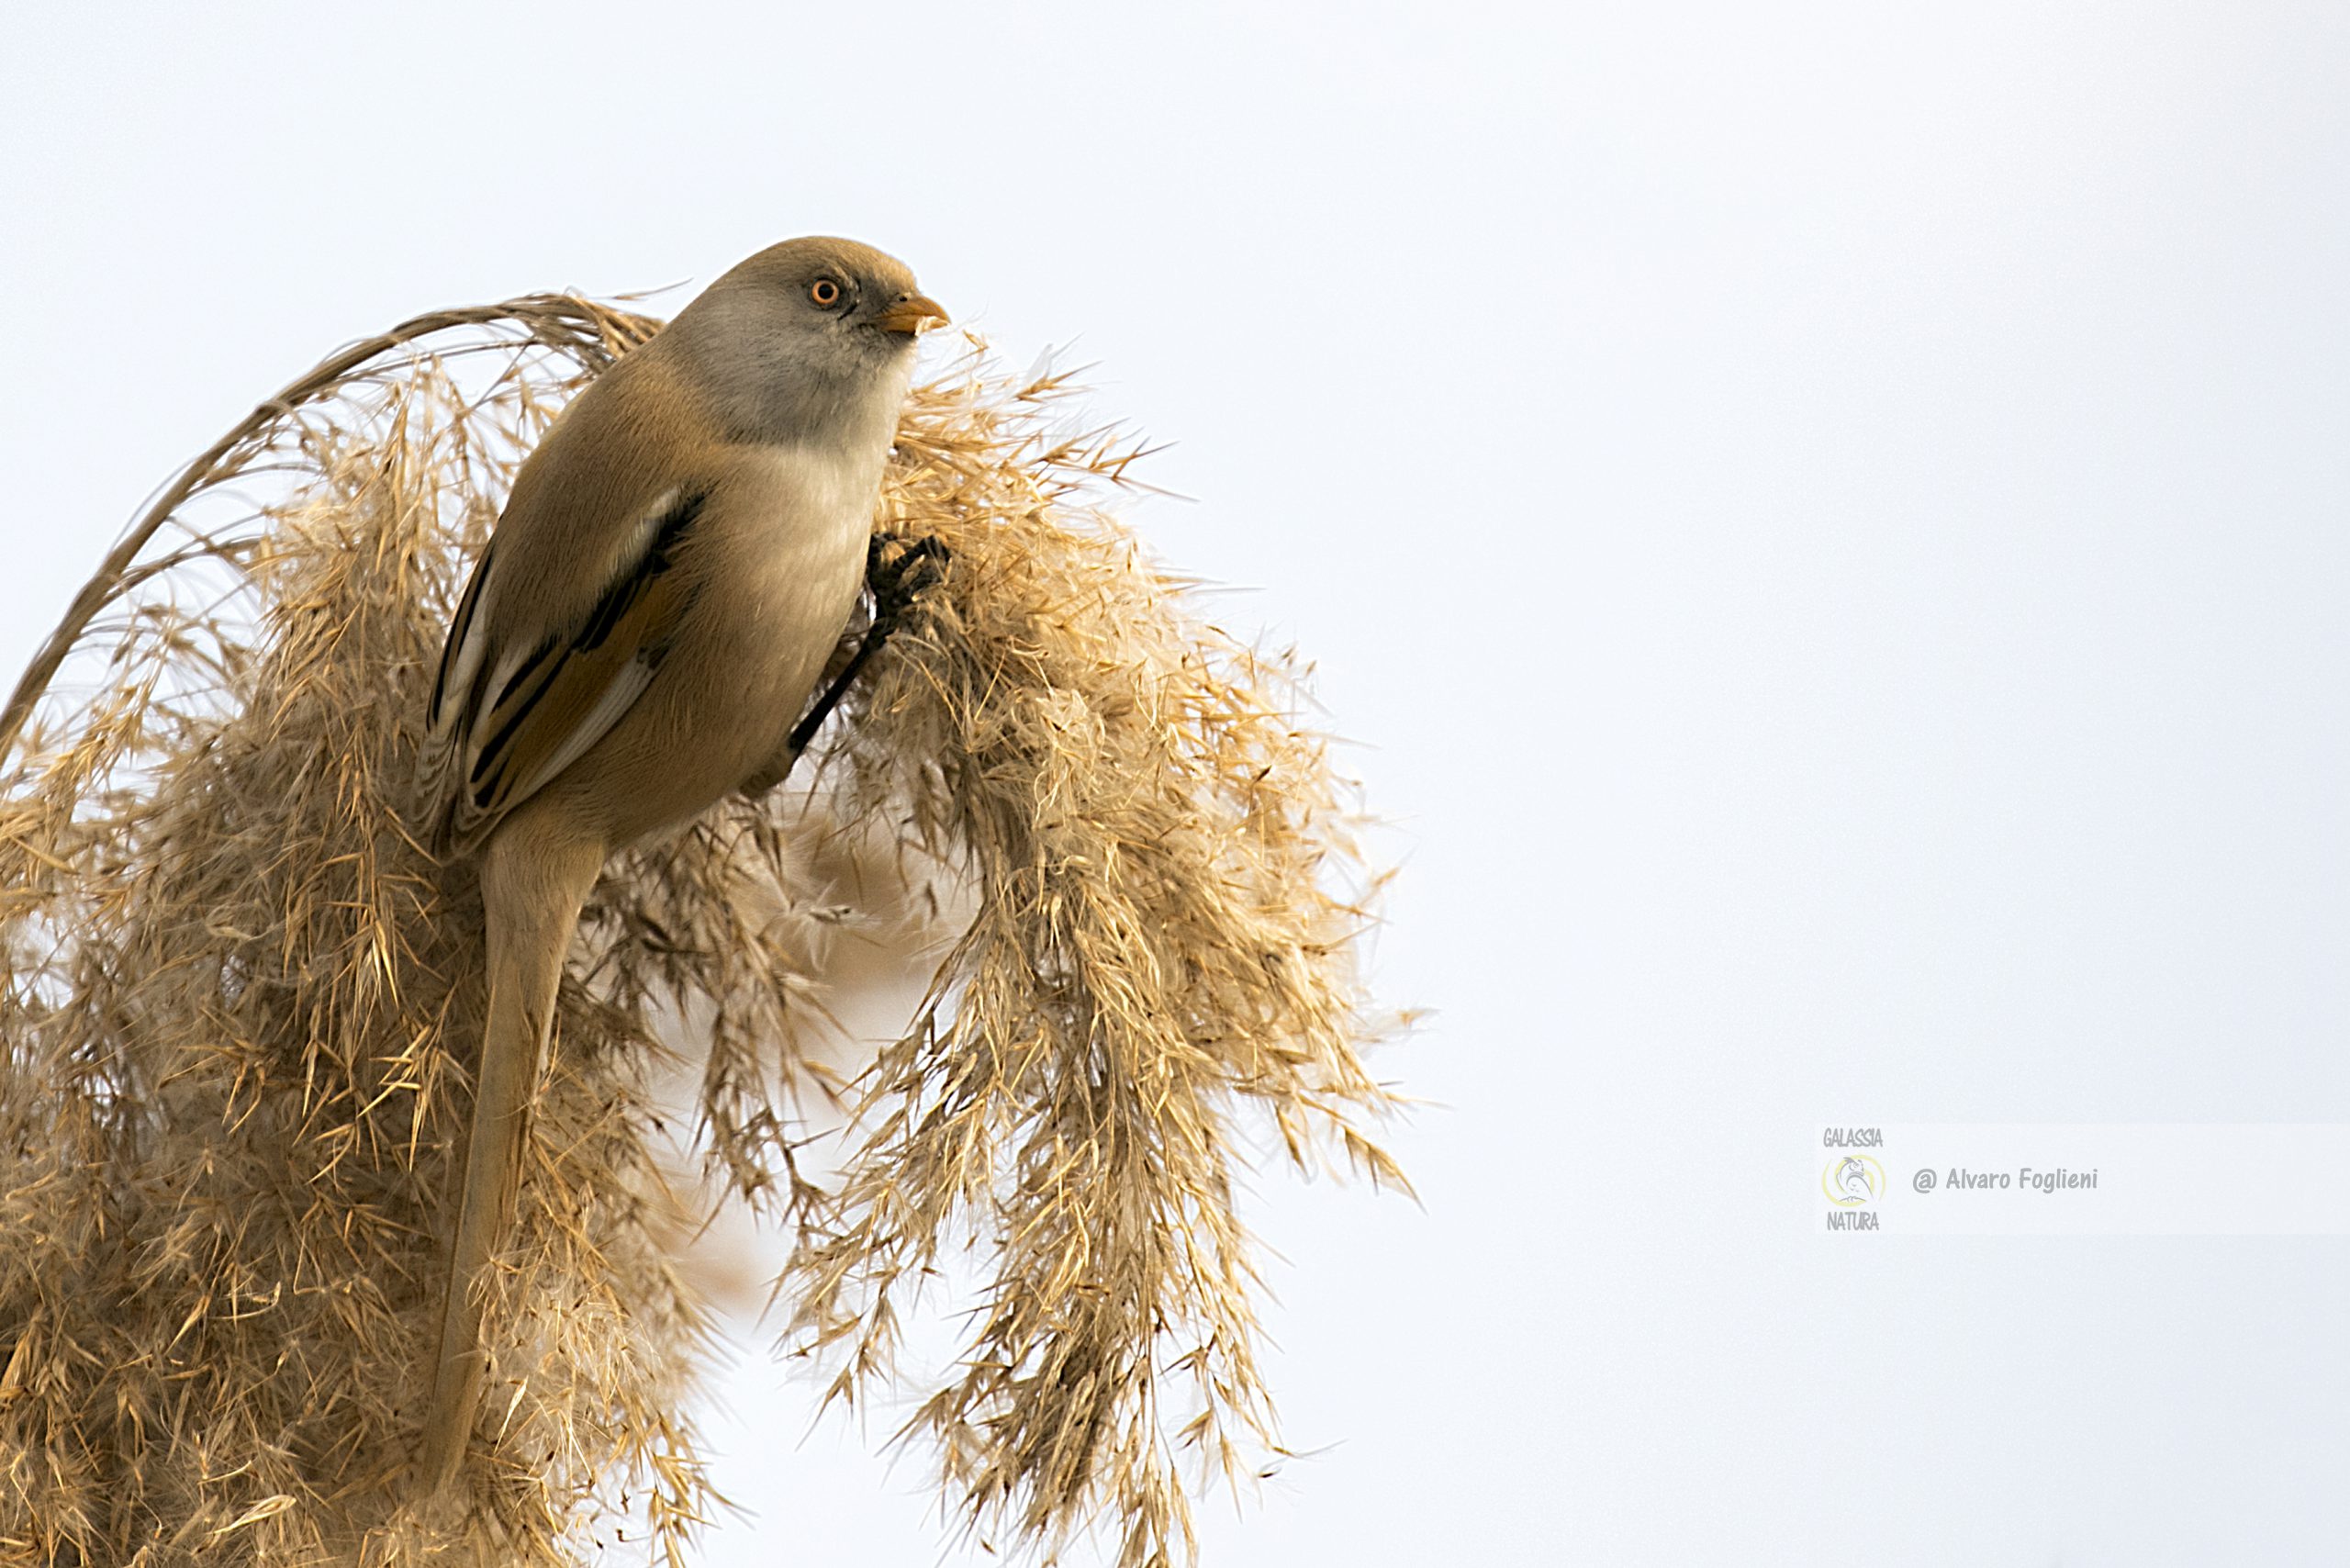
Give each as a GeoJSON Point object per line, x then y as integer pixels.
{"type": "Point", "coordinates": [806, 342]}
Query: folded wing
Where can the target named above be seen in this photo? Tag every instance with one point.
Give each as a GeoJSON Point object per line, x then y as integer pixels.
{"type": "Point", "coordinates": [510, 712]}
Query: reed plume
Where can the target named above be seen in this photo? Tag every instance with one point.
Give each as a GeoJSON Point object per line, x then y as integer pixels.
{"type": "Point", "coordinates": [242, 1002]}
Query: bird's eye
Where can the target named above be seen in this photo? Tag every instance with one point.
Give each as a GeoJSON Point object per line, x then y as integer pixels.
{"type": "Point", "coordinates": [824, 291]}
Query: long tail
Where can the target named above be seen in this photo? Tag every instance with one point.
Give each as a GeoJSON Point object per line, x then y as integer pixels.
{"type": "Point", "coordinates": [532, 890]}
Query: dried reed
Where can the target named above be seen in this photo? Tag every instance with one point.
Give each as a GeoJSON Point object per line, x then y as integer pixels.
{"type": "Point", "coordinates": [241, 1004]}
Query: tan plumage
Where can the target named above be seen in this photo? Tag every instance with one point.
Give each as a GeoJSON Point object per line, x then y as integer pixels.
{"type": "Point", "coordinates": [677, 560]}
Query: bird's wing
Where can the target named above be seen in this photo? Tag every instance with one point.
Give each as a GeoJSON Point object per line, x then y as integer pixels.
{"type": "Point", "coordinates": [517, 703]}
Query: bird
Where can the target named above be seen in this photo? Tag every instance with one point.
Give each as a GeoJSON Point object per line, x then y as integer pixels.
{"type": "Point", "coordinates": [677, 561]}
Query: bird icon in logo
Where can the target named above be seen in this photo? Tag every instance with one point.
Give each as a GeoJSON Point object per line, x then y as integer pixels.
{"type": "Point", "coordinates": [1852, 1181]}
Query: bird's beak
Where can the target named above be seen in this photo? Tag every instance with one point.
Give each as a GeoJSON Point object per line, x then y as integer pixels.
{"type": "Point", "coordinates": [911, 314]}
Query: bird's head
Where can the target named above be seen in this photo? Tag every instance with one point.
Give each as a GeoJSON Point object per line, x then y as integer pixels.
{"type": "Point", "coordinates": [807, 330]}
{"type": "Point", "coordinates": [827, 290]}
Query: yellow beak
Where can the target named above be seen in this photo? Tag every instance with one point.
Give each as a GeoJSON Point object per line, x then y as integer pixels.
{"type": "Point", "coordinates": [911, 314]}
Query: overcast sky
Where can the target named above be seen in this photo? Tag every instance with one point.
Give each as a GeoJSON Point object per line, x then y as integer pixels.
{"type": "Point", "coordinates": [1826, 521]}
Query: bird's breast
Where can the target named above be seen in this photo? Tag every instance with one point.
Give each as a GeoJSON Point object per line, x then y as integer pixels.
{"type": "Point", "coordinates": [783, 560]}
{"type": "Point", "coordinates": [796, 538]}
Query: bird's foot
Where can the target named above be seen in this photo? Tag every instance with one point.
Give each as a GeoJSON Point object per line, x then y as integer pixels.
{"type": "Point", "coordinates": [897, 580]}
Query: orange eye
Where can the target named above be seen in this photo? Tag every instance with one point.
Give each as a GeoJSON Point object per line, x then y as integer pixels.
{"type": "Point", "coordinates": [824, 291]}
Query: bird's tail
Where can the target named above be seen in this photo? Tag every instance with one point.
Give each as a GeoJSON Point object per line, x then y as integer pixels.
{"type": "Point", "coordinates": [531, 891]}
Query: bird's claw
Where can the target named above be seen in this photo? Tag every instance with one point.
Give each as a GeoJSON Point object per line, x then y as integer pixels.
{"type": "Point", "coordinates": [897, 582]}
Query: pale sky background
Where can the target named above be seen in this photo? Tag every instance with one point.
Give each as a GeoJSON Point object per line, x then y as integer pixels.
{"type": "Point", "coordinates": [1828, 521]}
